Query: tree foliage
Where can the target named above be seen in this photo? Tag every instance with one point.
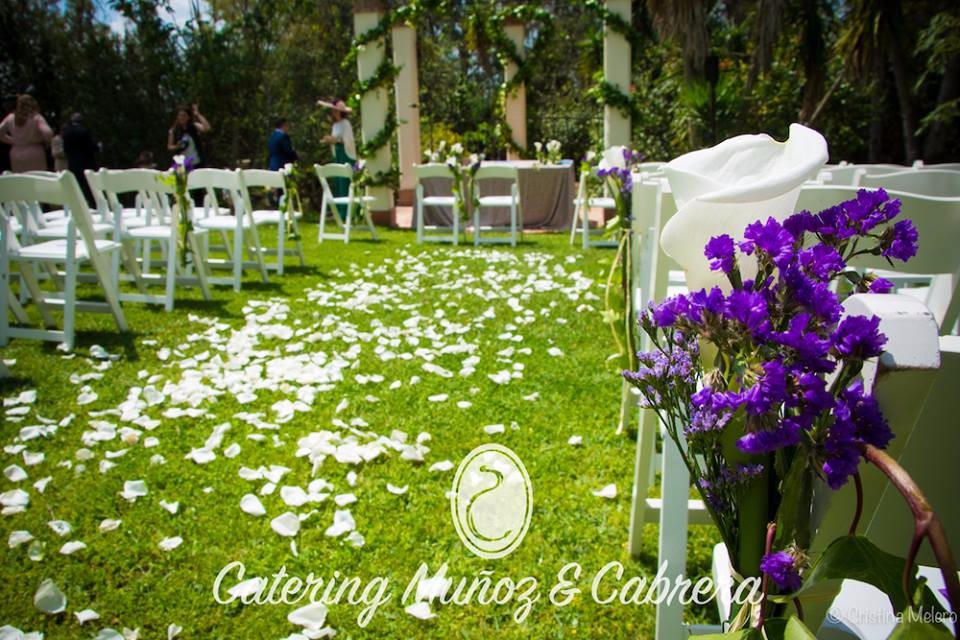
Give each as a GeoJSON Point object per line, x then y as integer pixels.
{"type": "Point", "coordinates": [868, 80]}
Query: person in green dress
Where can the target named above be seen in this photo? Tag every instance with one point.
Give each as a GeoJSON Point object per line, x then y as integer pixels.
{"type": "Point", "coordinates": [344, 147]}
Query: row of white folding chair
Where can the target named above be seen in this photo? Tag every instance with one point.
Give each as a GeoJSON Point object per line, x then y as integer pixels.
{"type": "Point", "coordinates": [152, 219]}
{"type": "Point", "coordinates": [849, 174]}
{"type": "Point", "coordinates": [656, 276]}
{"type": "Point", "coordinates": [937, 261]}
{"type": "Point", "coordinates": [353, 203]}
{"type": "Point", "coordinates": [930, 182]}
{"type": "Point", "coordinates": [511, 201]}
{"type": "Point", "coordinates": [78, 248]}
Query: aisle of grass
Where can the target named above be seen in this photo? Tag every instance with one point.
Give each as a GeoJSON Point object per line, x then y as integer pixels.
{"type": "Point", "coordinates": [131, 582]}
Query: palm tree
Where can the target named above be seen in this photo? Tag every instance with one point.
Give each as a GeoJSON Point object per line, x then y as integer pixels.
{"type": "Point", "coordinates": [873, 37]}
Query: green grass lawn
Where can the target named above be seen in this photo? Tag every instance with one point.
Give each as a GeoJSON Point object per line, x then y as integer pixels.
{"type": "Point", "coordinates": [337, 345]}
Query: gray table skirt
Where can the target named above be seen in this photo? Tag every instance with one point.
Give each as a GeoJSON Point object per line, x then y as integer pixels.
{"type": "Point", "coordinates": [546, 197]}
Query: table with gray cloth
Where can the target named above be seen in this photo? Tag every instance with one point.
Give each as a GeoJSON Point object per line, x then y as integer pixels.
{"type": "Point", "coordinates": [546, 197]}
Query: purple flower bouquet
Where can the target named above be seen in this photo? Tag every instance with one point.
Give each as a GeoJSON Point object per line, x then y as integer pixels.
{"type": "Point", "coordinates": [759, 383]}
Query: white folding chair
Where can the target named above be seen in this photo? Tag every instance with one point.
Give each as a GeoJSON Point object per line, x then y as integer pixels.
{"type": "Point", "coordinates": [937, 262]}
{"type": "Point", "coordinates": [581, 213]}
{"type": "Point", "coordinates": [930, 182]}
{"type": "Point", "coordinates": [511, 201]}
{"type": "Point", "coordinates": [79, 247]}
{"type": "Point", "coordinates": [156, 222]}
{"type": "Point", "coordinates": [240, 224]}
{"type": "Point", "coordinates": [440, 172]}
{"type": "Point", "coordinates": [656, 276]}
{"type": "Point", "coordinates": [356, 204]}
{"type": "Point", "coordinates": [285, 222]}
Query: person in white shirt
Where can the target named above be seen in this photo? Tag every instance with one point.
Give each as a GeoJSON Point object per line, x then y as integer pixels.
{"type": "Point", "coordinates": [344, 147]}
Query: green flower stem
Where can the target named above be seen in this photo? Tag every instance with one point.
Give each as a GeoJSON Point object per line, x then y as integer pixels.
{"type": "Point", "coordinates": [926, 525]}
{"type": "Point", "coordinates": [754, 513]}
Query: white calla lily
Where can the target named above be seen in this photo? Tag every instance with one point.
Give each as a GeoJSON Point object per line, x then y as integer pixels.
{"type": "Point", "coordinates": [726, 187]}
{"type": "Point", "coordinates": [612, 157]}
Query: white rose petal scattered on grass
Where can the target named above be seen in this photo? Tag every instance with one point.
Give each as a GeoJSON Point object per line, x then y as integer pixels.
{"type": "Point", "coordinates": [492, 429]}
{"type": "Point", "coordinates": [173, 630]}
{"type": "Point", "coordinates": [85, 616]}
{"type": "Point", "coordinates": [18, 538]}
{"type": "Point", "coordinates": [109, 525]}
{"type": "Point", "coordinates": [60, 527]}
{"type": "Point", "coordinates": [443, 465]}
{"type": "Point", "coordinates": [609, 492]}
{"type": "Point", "coordinates": [397, 491]}
{"type": "Point", "coordinates": [71, 547]}
{"type": "Point", "coordinates": [49, 598]}
{"type": "Point", "coordinates": [169, 544]}
{"type": "Point", "coordinates": [420, 610]}
{"type": "Point", "coordinates": [286, 524]}
{"type": "Point", "coordinates": [575, 441]}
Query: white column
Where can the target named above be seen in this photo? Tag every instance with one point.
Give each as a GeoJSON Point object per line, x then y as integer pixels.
{"type": "Point", "coordinates": [407, 96]}
{"type": "Point", "coordinates": [616, 71]}
{"type": "Point", "coordinates": [374, 104]}
{"type": "Point", "coordinates": [516, 103]}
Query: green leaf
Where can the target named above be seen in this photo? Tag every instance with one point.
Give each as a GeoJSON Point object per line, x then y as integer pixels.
{"type": "Point", "coordinates": [918, 631]}
{"type": "Point", "coordinates": [787, 629]}
{"type": "Point", "coordinates": [743, 634]}
{"type": "Point", "coordinates": [856, 558]}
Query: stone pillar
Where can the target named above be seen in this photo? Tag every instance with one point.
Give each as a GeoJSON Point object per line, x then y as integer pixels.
{"type": "Point", "coordinates": [407, 96]}
{"type": "Point", "coordinates": [374, 105]}
{"type": "Point", "coordinates": [516, 104]}
{"type": "Point", "coordinates": [616, 71]}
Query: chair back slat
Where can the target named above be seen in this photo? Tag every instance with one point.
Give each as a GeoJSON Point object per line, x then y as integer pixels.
{"type": "Point", "coordinates": [497, 171]}
{"type": "Point", "coordinates": [939, 184]}
{"type": "Point", "coordinates": [432, 170]}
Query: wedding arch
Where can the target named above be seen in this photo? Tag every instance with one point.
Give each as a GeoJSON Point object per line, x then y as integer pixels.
{"type": "Point", "coordinates": [376, 73]}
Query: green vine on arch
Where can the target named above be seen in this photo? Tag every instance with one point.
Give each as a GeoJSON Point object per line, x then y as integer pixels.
{"type": "Point", "coordinates": [606, 93]}
{"type": "Point", "coordinates": [508, 53]}
{"type": "Point", "coordinates": [382, 77]}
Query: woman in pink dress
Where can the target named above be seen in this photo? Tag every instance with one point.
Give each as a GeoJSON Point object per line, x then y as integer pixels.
{"type": "Point", "coordinates": [27, 133]}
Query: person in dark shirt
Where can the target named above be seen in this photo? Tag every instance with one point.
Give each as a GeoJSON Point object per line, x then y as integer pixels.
{"type": "Point", "coordinates": [280, 146]}
{"type": "Point", "coordinates": [9, 103]}
{"type": "Point", "coordinates": [81, 150]}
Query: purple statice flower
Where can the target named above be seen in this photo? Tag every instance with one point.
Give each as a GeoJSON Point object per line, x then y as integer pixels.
{"type": "Point", "coordinates": [876, 208]}
{"type": "Point", "coordinates": [713, 489]}
{"type": "Point", "coordinates": [800, 223]}
{"type": "Point", "coordinates": [812, 393]}
{"type": "Point", "coordinates": [783, 569]}
{"type": "Point", "coordinates": [858, 421]}
{"type": "Point", "coordinates": [900, 241]}
{"type": "Point", "coordinates": [672, 309]}
{"type": "Point", "coordinates": [821, 261]}
{"type": "Point", "coordinates": [749, 308]}
{"type": "Point", "coordinates": [712, 301]}
{"type": "Point", "coordinates": [772, 239]}
{"type": "Point", "coordinates": [786, 434]}
{"type": "Point", "coordinates": [813, 295]}
{"type": "Point", "coordinates": [721, 253]}
{"type": "Point", "coordinates": [710, 410]}
{"type": "Point", "coordinates": [858, 337]}
{"type": "Point", "coordinates": [811, 349]}
{"type": "Point", "coordinates": [881, 285]}
{"type": "Point", "coordinates": [833, 223]}
{"type": "Point", "coordinates": [769, 390]}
